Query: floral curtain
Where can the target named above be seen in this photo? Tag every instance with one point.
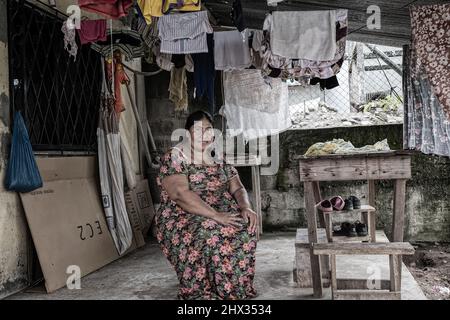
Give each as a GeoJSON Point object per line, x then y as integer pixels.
{"type": "Point", "coordinates": [430, 26]}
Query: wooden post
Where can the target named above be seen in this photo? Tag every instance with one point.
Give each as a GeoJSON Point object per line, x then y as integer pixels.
{"type": "Point", "coordinates": [312, 238]}
{"type": "Point", "coordinates": [399, 210]}
{"type": "Point", "coordinates": [371, 192]}
{"type": "Point", "coordinates": [317, 199]}
{"type": "Point", "coordinates": [333, 275]}
{"type": "Point", "coordinates": [395, 266]}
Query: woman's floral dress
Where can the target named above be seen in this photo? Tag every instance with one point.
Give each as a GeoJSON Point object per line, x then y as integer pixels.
{"type": "Point", "coordinates": [211, 261]}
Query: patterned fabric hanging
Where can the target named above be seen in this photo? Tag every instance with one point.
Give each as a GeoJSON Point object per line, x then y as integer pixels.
{"type": "Point", "coordinates": [431, 43]}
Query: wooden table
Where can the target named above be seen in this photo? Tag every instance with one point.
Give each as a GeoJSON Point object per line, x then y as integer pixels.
{"type": "Point", "coordinates": [394, 165]}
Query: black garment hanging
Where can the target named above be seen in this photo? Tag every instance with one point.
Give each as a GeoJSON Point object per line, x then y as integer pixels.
{"type": "Point", "coordinates": [237, 16]}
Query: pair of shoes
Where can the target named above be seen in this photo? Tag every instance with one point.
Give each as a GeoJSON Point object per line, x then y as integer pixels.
{"type": "Point", "coordinates": [333, 204]}
{"type": "Point", "coordinates": [349, 229]}
{"type": "Point", "coordinates": [351, 203]}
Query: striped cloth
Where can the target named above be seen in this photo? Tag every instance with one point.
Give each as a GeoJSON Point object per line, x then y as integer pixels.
{"type": "Point", "coordinates": [184, 33]}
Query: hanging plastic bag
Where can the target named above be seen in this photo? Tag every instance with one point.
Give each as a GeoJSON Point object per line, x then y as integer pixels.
{"type": "Point", "coordinates": [22, 174]}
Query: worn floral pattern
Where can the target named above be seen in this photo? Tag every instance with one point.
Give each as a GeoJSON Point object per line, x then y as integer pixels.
{"type": "Point", "coordinates": [431, 41]}
{"type": "Point", "coordinates": [212, 261]}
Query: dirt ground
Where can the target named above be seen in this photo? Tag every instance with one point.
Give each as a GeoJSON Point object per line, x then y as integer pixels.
{"type": "Point", "coordinates": [430, 266]}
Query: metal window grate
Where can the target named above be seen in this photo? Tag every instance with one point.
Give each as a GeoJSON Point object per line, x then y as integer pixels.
{"type": "Point", "coordinates": [59, 97]}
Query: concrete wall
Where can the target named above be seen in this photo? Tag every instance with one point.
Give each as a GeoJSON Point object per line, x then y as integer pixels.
{"type": "Point", "coordinates": [428, 192]}
{"type": "Point", "coordinates": [13, 230]}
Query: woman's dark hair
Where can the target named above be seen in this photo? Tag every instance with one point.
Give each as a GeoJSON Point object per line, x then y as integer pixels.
{"type": "Point", "coordinates": [197, 116]}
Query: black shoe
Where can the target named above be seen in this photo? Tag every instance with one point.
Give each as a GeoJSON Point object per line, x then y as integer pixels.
{"type": "Point", "coordinates": [348, 205]}
{"type": "Point", "coordinates": [361, 229]}
{"type": "Point", "coordinates": [356, 202]}
{"type": "Point", "coordinates": [348, 229]}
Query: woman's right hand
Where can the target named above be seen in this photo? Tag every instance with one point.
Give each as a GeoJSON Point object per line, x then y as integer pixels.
{"type": "Point", "coordinates": [226, 219]}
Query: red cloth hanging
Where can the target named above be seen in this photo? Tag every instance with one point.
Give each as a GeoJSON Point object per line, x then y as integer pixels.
{"type": "Point", "coordinates": [120, 78]}
{"type": "Point", "coordinates": [92, 31]}
{"type": "Point", "coordinates": [110, 8]}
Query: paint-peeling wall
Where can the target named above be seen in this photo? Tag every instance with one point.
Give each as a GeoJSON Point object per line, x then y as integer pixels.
{"type": "Point", "coordinates": [13, 231]}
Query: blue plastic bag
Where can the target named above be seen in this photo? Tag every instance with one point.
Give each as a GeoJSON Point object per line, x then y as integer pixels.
{"type": "Point", "coordinates": [22, 174]}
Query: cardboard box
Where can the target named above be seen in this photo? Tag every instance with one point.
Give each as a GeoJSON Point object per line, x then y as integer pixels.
{"type": "Point", "coordinates": [135, 221]}
{"type": "Point", "coordinates": [67, 221]}
{"type": "Point", "coordinates": [140, 205]}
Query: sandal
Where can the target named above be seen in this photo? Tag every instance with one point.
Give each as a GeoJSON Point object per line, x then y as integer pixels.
{"type": "Point", "coordinates": [338, 203]}
{"type": "Point", "coordinates": [325, 206]}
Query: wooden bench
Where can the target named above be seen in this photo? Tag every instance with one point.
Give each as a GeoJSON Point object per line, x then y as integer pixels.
{"type": "Point", "coordinates": [302, 264]}
{"type": "Point", "coordinates": [394, 250]}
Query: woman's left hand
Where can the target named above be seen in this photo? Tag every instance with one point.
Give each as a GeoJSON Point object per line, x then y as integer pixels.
{"type": "Point", "coordinates": [250, 217]}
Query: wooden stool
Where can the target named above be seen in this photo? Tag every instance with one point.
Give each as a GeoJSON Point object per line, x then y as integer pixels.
{"type": "Point", "coordinates": [395, 250]}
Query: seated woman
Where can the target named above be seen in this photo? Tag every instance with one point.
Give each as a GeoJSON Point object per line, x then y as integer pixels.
{"type": "Point", "coordinates": [205, 225]}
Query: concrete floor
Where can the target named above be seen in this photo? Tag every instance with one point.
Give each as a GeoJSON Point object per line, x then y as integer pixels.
{"type": "Point", "coordinates": [146, 274]}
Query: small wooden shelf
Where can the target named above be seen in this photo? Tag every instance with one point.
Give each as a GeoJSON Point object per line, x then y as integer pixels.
{"type": "Point", "coordinates": [364, 208]}
{"type": "Point", "coordinates": [346, 239]}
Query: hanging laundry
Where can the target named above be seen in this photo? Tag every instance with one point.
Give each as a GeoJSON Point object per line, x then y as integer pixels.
{"type": "Point", "coordinates": [304, 34]}
{"type": "Point", "coordinates": [128, 42]}
{"type": "Point", "coordinates": [184, 33]}
{"type": "Point", "coordinates": [277, 66]}
{"type": "Point", "coordinates": [92, 31]}
{"type": "Point", "coordinates": [254, 106]}
{"type": "Point", "coordinates": [430, 26]}
{"type": "Point", "coordinates": [238, 16]}
{"type": "Point", "coordinates": [70, 44]}
{"type": "Point", "coordinates": [253, 124]}
{"type": "Point", "coordinates": [248, 89]}
{"type": "Point", "coordinates": [178, 89]}
{"type": "Point", "coordinates": [113, 9]}
{"type": "Point", "coordinates": [230, 52]}
{"type": "Point", "coordinates": [255, 42]}
{"type": "Point", "coordinates": [120, 78]}
{"type": "Point", "coordinates": [328, 84]}
{"type": "Point", "coordinates": [150, 9]}
{"type": "Point", "coordinates": [273, 3]}
{"type": "Point", "coordinates": [181, 5]}
{"type": "Point", "coordinates": [205, 73]}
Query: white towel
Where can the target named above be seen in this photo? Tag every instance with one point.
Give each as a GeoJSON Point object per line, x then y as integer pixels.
{"type": "Point", "coordinates": [304, 34]}
{"type": "Point", "coordinates": [248, 89]}
{"type": "Point", "coordinates": [231, 52]}
{"type": "Point", "coordinates": [246, 99]}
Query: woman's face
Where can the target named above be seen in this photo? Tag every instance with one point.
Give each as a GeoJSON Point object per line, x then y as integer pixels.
{"type": "Point", "coordinates": [202, 134]}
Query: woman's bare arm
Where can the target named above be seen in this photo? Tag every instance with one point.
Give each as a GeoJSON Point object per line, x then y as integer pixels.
{"type": "Point", "coordinates": [237, 190]}
{"type": "Point", "coordinates": [177, 187]}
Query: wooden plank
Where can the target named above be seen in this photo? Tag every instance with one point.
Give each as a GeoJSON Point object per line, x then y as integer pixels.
{"type": "Point", "coordinates": [395, 269]}
{"type": "Point", "coordinates": [317, 199]}
{"type": "Point", "coordinates": [328, 227]}
{"type": "Point", "coordinates": [333, 274]}
{"type": "Point", "coordinates": [364, 208]}
{"type": "Point", "coordinates": [395, 248]}
{"type": "Point", "coordinates": [312, 238]}
{"type": "Point", "coordinates": [359, 284]}
{"type": "Point", "coordinates": [366, 295]}
{"type": "Point", "coordinates": [356, 168]}
{"type": "Point", "coordinates": [371, 192]}
{"type": "Point", "coordinates": [399, 210]}
{"type": "Point", "coordinates": [301, 237]}
{"type": "Point", "coordinates": [372, 227]}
